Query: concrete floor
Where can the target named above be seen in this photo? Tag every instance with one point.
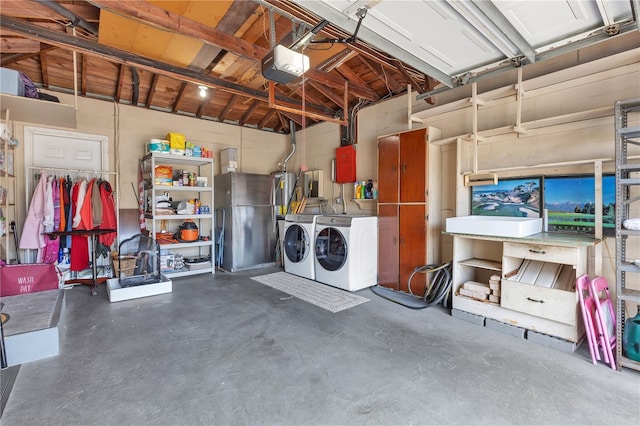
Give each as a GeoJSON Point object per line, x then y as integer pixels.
{"type": "Point", "coordinates": [227, 350]}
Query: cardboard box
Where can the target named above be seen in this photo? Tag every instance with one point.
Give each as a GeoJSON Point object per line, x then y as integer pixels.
{"type": "Point", "coordinates": [163, 175]}
{"type": "Point", "coordinates": [117, 293]}
{"type": "Point", "coordinates": [166, 262]}
{"type": "Point", "coordinates": [11, 83]}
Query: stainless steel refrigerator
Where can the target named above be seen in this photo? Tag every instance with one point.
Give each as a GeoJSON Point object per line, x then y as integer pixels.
{"type": "Point", "coordinates": [249, 229]}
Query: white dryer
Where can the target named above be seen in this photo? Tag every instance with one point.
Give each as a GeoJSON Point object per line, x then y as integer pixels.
{"type": "Point", "coordinates": [298, 244]}
{"type": "Point", "coordinates": [346, 251]}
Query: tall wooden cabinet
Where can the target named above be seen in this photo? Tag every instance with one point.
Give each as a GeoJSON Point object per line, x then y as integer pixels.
{"type": "Point", "coordinates": [403, 208]}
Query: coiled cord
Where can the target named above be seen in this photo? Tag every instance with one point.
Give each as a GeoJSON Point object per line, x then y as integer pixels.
{"type": "Point", "coordinates": [439, 287]}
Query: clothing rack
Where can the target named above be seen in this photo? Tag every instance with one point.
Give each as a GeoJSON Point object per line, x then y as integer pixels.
{"type": "Point", "coordinates": [68, 171]}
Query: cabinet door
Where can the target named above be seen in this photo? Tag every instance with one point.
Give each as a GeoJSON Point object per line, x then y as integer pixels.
{"type": "Point", "coordinates": [413, 246]}
{"type": "Point", "coordinates": [388, 260]}
{"type": "Point", "coordinates": [413, 166]}
{"type": "Point", "coordinates": [388, 157]}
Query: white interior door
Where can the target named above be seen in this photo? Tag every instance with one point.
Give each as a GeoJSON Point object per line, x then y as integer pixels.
{"type": "Point", "coordinates": [61, 152]}
{"type": "Point", "coordinates": [64, 149]}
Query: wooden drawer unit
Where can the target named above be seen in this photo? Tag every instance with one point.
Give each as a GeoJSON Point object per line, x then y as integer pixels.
{"type": "Point", "coordinates": [543, 253]}
{"type": "Point", "coordinates": [537, 286]}
{"type": "Point", "coordinates": [550, 303]}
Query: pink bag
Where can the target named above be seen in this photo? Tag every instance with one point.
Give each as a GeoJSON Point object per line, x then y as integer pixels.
{"type": "Point", "coordinates": [50, 250]}
{"type": "Point", "coordinates": [27, 278]}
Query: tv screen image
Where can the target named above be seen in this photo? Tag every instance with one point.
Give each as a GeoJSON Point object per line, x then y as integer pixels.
{"type": "Point", "coordinates": [570, 201]}
{"type": "Point", "coordinates": [510, 197]}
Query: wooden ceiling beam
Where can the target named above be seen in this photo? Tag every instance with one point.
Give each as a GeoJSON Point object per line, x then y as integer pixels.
{"type": "Point", "coordinates": [13, 58]}
{"type": "Point", "coordinates": [350, 74]}
{"type": "Point", "coordinates": [119, 83]}
{"type": "Point", "coordinates": [161, 18]}
{"type": "Point", "coordinates": [337, 60]}
{"type": "Point", "coordinates": [44, 70]}
{"type": "Point", "coordinates": [18, 45]}
{"type": "Point", "coordinates": [284, 123]}
{"type": "Point", "coordinates": [227, 108]}
{"type": "Point", "coordinates": [430, 83]}
{"type": "Point", "coordinates": [305, 96]}
{"type": "Point", "coordinates": [266, 118]}
{"type": "Point", "coordinates": [414, 83]}
{"type": "Point", "coordinates": [203, 105]}
{"type": "Point", "coordinates": [248, 112]}
{"type": "Point", "coordinates": [330, 94]}
{"type": "Point", "coordinates": [298, 119]}
{"type": "Point", "coordinates": [122, 57]}
{"type": "Point", "coordinates": [36, 10]}
{"type": "Point", "coordinates": [152, 91]}
{"type": "Point", "coordinates": [389, 79]}
{"type": "Point", "coordinates": [83, 75]}
{"type": "Point", "coordinates": [179, 96]}
{"type": "Point", "coordinates": [231, 22]}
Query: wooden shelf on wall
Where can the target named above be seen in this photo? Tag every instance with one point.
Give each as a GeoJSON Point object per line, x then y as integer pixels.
{"type": "Point", "coordinates": [38, 111]}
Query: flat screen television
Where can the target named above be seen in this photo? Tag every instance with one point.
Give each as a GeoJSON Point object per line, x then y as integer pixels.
{"type": "Point", "coordinates": [520, 197]}
{"type": "Point", "coordinates": [570, 201]}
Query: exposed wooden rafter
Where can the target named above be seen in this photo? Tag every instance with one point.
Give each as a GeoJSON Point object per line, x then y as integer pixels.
{"type": "Point", "coordinates": [16, 57]}
{"type": "Point", "coordinates": [152, 91]}
{"type": "Point", "coordinates": [156, 16]}
{"type": "Point", "coordinates": [83, 75]}
{"type": "Point", "coordinates": [10, 45]}
{"type": "Point", "coordinates": [122, 57]}
{"type": "Point", "coordinates": [179, 97]}
{"type": "Point", "coordinates": [330, 94]}
{"type": "Point", "coordinates": [248, 112]}
{"type": "Point", "coordinates": [266, 118]}
{"type": "Point", "coordinates": [44, 73]}
{"type": "Point", "coordinates": [227, 108]}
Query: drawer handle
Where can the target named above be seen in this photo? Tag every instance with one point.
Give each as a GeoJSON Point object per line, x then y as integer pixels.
{"type": "Point", "coordinates": [537, 251]}
{"type": "Point", "coordinates": [535, 300]}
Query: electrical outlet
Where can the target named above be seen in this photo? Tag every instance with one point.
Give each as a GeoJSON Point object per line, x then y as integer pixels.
{"type": "Point", "coordinates": [338, 201]}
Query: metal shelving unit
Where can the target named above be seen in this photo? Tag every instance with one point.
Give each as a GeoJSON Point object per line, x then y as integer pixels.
{"type": "Point", "coordinates": [627, 202]}
{"type": "Point", "coordinates": [8, 181]}
{"type": "Point", "coordinates": [205, 222]}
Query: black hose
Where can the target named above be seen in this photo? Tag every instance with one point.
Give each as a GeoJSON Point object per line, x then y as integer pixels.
{"type": "Point", "coordinates": [439, 288]}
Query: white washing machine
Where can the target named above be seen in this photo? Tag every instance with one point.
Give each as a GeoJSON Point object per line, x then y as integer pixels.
{"type": "Point", "coordinates": [298, 243]}
{"type": "Point", "coordinates": [346, 251]}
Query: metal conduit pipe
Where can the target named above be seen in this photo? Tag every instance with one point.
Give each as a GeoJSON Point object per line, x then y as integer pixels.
{"type": "Point", "coordinates": [75, 19]}
{"type": "Point", "coordinates": [292, 130]}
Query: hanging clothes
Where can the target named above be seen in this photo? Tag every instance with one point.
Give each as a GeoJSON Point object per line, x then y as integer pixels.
{"type": "Point", "coordinates": [78, 202]}
{"type": "Point", "coordinates": [55, 190]}
{"type": "Point", "coordinates": [79, 244]}
{"type": "Point", "coordinates": [47, 221]}
{"type": "Point", "coordinates": [96, 203]}
{"type": "Point", "coordinates": [109, 220]}
{"type": "Point", "coordinates": [86, 211]}
{"type": "Point", "coordinates": [32, 237]}
{"type": "Point", "coordinates": [63, 217]}
{"type": "Point", "coordinates": [68, 209]}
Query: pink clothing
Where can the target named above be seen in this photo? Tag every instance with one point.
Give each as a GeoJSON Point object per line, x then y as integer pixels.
{"type": "Point", "coordinates": [32, 237]}
{"type": "Point", "coordinates": [47, 222]}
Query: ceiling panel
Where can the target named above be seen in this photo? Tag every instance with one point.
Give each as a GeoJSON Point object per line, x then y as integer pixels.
{"type": "Point", "coordinates": [447, 39]}
{"type": "Point", "coordinates": [546, 22]}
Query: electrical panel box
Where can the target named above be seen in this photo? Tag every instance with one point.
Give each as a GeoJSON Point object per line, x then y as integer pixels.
{"type": "Point", "coordinates": [346, 164]}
